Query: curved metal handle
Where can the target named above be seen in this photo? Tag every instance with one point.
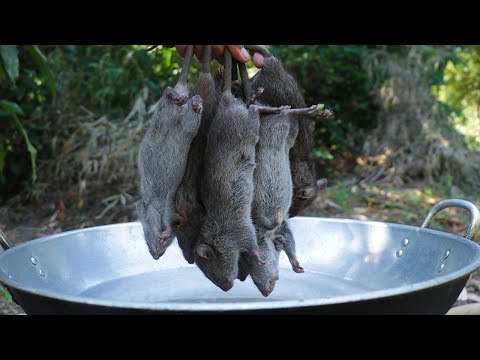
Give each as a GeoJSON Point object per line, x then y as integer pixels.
{"type": "Point", "coordinates": [463, 204]}
{"type": "Point", "coordinates": [4, 243]}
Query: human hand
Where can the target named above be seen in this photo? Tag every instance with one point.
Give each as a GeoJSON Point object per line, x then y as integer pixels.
{"type": "Point", "coordinates": [238, 52]}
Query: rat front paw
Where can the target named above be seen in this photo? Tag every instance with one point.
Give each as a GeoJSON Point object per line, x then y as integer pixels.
{"type": "Point", "coordinates": [298, 269]}
{"type": "Point", "coordinates": [197, 104]}
{"type": "Point", "coordinates": [175, 96]}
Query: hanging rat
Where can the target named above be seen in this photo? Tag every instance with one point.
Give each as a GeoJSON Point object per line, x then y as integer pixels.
{"type": "Point", "coordinates": [273, 190]}
{"type": "Point", "coordinates": [227, 187]}
{"type": "Point", "coordinates": [187, 201]}
{"type": "Point", "coordinates": [281, 88]}
{"type": "Point", "coordinates": [162, 160]}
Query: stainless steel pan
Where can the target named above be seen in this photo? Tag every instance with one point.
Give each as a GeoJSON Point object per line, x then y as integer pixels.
{"type": "Point", "coordinates": [351, 267]}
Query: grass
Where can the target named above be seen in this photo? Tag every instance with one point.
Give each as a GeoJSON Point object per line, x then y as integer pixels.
{"type": "Point", "coordinates": [409, 205]}
{"type": "Point", "coordinates": [5, 294]}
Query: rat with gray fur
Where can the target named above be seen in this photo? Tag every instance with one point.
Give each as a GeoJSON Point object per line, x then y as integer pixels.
{"type": "Point", "coordinates": [162, 160]}
{"type": "Point", "coordinates": [273, 193]}
{"type": "Point", "coordinates": [227, 187]}
{"type": "Point", "coordinates": [272, 176]}
{"type": "Point", "coordinates": [187, 200]}
{"type": "Point", "coordinates": [273, 190]}
{"type": "Point", "coordinates": [281, 88]}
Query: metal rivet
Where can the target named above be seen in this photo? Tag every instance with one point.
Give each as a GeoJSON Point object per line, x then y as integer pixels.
{"type": "Point", "coordinates": [442, 265]}
{"type": "Point", "coordinates": [33, 260]}
{"type": "Point", "coordinates": [399, 253]}
{"type": "Point", "coordinates": [405, 242]}
{"type": "Point", "coordinates": [447, 253]}
{"type": "Point", "coordinates": [41, 272]}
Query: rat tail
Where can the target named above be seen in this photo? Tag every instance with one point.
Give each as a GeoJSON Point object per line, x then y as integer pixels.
{"type": "Point", "coordinates": [227, 72]}
{"type": "Point", "coordinates": [247, 86]}
{"type": "Point", "coordinates": [186, 65]}
{"type": "Point", "coordinates": [206, 58]}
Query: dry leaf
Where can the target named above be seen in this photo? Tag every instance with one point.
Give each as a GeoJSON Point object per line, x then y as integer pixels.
{"type": "Point", "coordinates": [61, 211]}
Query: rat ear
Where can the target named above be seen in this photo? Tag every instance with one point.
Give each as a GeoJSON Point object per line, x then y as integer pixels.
{"type": "Point", "coordinates": [321, 184]}
{"type": "Point", "coordinates": [306, 193]}
{"type": "Point", "coordinates": [205, 252]}
{"type": "Point", "coordinates": [177, 219]}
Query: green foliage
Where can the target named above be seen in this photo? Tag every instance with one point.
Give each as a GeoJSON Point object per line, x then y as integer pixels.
{"type": "Point", "coordinates": [53, 86]}
{"type": "Point", "coordinates": [12, 109]}
{"type": "Point", "coordinates": [42, 63]}
{"type": "Point", "coordinates": [460, 89]}
{"type": "Point", "coordinates": [46, 90]}
{"type": "Point", "coordinates": [107, 79]}
{"type": "Point", "coordinates": [10, 94]}
{"type": "Point", "coordinates": [334, 75]}
{"type": "Point", "coordinates": [9, 55]}
{"type": "Point", "coordinates": [5, 294]}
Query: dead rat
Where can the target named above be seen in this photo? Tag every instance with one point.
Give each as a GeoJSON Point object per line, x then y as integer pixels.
{"type": "Point", "coordinates": [273, 189]}
{"type": "Point", "coordinates": [281, 88]}
{"type": "Point", "coordinates": [162, 159]}
{"type": "Point", "coordinates": [273, 194]}
{"type": "Point", "coordinates": [187, 201]}
{"type": "Point", "coordinates": [264, 277]}
{"type": "Point", "coordinates": [227, 187]}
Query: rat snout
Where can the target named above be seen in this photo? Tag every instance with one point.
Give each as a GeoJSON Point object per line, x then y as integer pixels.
{"type": "Point", "coordinates": [269, 286]}
{"type": "Point", "coordinates": [157, 251]}
{"type": "Point", "coordinates": [155, 254]}
{"type": "Point", "coordinates": [225, 285]}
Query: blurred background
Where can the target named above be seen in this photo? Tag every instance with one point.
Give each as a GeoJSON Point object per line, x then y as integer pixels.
{"type": "Point", "coordinates": [404, 135]}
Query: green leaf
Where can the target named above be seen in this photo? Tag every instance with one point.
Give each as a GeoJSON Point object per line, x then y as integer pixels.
{"type": "Point", "coordinates": [3, 74]}
{"type": "Point", "coordinates": [13, 107]}
{"type": "Point", "coordinates": [9, 107]}
{"type": "Point", "coordinates": [3, 155]}
{"type": "Point", "coordinates": [5, 294]}
{"type": "Point", "coordinates": [42, 63]}
{"type": "Point", "coordinates": [9, 54]}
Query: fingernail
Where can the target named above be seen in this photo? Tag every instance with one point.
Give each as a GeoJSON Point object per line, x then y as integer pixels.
{"type": "Point", "coordinates": [245, 54]}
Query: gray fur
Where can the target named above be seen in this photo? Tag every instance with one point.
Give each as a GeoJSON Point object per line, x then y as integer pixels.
{"type": "Point", "coordinates": [273, 192]}
{"type": "Point", "coordinates": [284, 240]}
{"type": "Point", "coordinates": [162, 160]}
{"type": "Point", "coordinates": [281, 88]}
{"type": "Point", "coordinates": [227, 187]}
{"type": "Point", "coordinates": [266, 276]}
{"type": "Point", "coordinates": [188, 202]}
{"type": "Point", "coordinates": [227, 190]}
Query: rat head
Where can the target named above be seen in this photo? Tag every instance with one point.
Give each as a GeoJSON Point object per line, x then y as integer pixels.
{"type": "Point", "coordinates": [217, 253]}
{"type": "Point", "coordinates": [158, 238]}
{"type": "Point", "coordinates": [264, 276]}
{"type": "Point", "coordinates": [219, 264]}
{"type": "Point", "coordinates": [218, 250]}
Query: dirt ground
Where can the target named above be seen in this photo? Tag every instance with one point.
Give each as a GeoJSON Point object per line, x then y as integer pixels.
{"type": "Point", "coordinates": [342, 199]}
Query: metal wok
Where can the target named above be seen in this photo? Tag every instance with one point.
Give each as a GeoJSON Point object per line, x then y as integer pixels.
{"type": "Point", "coordinates": [351, 267]}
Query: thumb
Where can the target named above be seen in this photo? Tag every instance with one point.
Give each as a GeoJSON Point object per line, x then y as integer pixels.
{"type": "Point", "coordinates": [239, 53]}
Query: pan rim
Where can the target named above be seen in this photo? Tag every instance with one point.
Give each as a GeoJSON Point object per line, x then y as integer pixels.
{"type": "Point", "coordinates": [251, 306]}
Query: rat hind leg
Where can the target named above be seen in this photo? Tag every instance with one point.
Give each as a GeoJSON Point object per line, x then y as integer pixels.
{"type": "Point", "coordinates": [286, 242]}
{"type": "Point", "coordinates": [315, 112]}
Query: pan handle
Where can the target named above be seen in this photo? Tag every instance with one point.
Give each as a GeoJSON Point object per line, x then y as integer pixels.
{"type": "Point", "coordinates": [4, 243]}
{"type": "Point", "coordinates": [463, 204]}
